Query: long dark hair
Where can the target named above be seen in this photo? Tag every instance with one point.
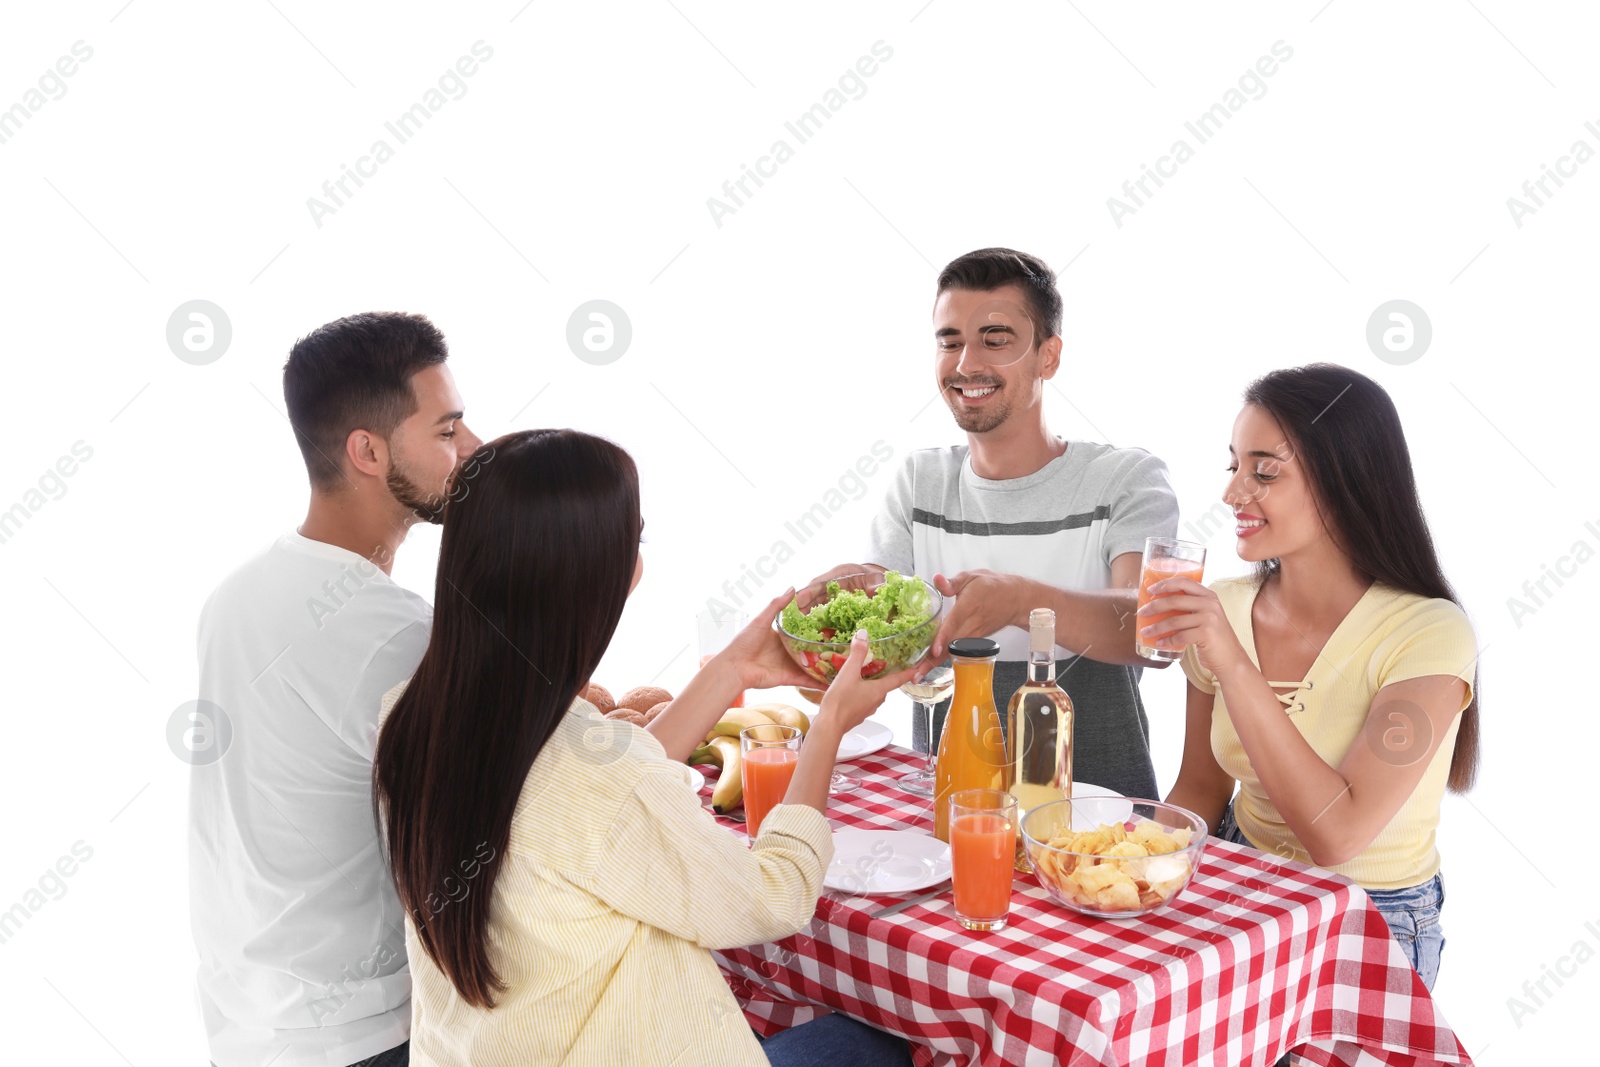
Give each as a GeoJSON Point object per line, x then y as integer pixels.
{"type": "Point", "coordinates": [535, 563]}
{"type": "Point", "coordinates": [1346, 433]}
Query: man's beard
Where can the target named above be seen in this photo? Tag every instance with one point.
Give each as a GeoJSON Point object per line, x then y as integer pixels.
{"type": "Point", "coordinates": [983, 419]}
{"type": "Point", "coordinates": [427, 506]}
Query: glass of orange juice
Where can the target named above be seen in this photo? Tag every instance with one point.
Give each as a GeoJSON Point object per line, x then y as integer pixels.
{"type": "Point", "coordinates": [768, 755]}
{"type": "Point", "coordinates": [983, 852]}
{"type": "Point", "coordinates": [717, 629]}
{"type": "Point", "coordinates": [1165, 557]}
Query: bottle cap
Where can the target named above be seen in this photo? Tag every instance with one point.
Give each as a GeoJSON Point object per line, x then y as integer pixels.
{"type": "Point", "coordinates": [1041, 630]}
{"type": "Point", "coordinates": [974, 648]}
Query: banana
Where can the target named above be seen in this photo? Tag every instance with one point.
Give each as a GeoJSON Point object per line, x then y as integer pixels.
{"type": "Point", "coordinates": [705, 754]}
{"type": "Point", "coordinates": [735, 719]}
{"type": "Point", "coordinates": [784, 715]}
{"type": "Point", "coordinates": [729, 790]}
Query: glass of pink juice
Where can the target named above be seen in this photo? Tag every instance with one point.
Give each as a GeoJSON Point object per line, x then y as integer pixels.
{"type": "Point", "coordinates": [983, 852]}
{"type": "Point", "coordinates": [1165, 557]}
{"type": "Point", "coordinates": [768, 756]}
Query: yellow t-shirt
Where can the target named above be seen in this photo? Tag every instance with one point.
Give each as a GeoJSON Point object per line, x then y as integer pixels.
{"type": "Point", "coordinates": [614, 889]}
{"type": "Point", "coordinates": [1388, 637]}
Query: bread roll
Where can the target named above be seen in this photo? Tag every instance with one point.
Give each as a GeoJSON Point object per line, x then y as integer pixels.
{"type": "Point", "coordinates": [643, 698]}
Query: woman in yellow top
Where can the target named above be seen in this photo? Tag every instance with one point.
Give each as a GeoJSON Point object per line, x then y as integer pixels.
{"type": "Point", "coordinates": [563, 886]}
{"type": "Point", "coordinates": [1336, 685]}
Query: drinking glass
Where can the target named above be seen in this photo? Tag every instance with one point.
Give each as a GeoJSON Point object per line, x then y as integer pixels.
{"type": "Point", "coordinates": [768, 755]}
{"type": "Point", "coordinates": [838, 781]}
{"type": "Point", "coordinates": [1165, 558]}
{"type": "Point", "coordinates": [983, 851]}
{"type": "Point", "coordinates": [934, 687]}
{"type": "Point", "coordinates": [716, 630]}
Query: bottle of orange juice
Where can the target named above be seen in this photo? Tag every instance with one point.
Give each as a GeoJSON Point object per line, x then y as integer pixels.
{"type": "Point", "coordinates": [972, 750]}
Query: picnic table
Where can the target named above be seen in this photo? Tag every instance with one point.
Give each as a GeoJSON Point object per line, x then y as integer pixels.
{"type": "Point", "coordinates": [1258, 956]}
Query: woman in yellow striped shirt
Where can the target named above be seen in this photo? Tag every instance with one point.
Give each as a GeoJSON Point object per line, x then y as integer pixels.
{"type": "Point", "coordinates": [563, 885]}
{"type": "Point", "coordinates": [1337, 685]}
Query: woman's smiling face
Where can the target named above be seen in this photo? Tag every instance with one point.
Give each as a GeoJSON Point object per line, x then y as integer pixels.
{"type": "Point", "coordinates": [1275, 511]}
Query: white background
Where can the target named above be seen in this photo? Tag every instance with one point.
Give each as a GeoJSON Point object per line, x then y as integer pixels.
{"type": "Point", "coordinates": [768, 353]}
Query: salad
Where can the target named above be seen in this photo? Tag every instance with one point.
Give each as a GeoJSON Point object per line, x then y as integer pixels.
{"type": "Point", "coordinates": [896, 618]}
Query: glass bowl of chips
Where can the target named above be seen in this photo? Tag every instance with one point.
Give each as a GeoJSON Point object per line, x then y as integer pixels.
{"type": "Point", "coordinates": [1113, 857]}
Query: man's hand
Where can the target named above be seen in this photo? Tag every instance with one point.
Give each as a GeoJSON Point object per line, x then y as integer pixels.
{"type": "Point", "coordinates": [872, 570]}
{"type": "Point", "coordinates": [985, 601]}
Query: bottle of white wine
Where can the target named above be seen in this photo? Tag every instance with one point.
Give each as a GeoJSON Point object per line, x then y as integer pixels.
{"type": "Point", "coordinates": [1039, 729]}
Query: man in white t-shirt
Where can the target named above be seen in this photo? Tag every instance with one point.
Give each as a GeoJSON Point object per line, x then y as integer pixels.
{"type": "Point", "coordinates": [1018, 518]}
{"type": "Point", "coordinates": [300, 934]}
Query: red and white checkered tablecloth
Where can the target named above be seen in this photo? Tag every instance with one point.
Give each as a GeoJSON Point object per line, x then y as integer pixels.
{"type": "Point", "coordinates": [1256, 957]}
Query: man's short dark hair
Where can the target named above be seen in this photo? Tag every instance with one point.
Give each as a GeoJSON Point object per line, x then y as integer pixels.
{"type": "Point", "coordinates": [355, 374]}
{"type": "Point", "coordinates": [991, 268]}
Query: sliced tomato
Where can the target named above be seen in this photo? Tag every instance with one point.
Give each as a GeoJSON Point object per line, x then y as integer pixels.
{"type": "Point", "coordinates": [827, 633]}
{"type": "Point", "coordinates": [837, 661]}
{"type": "Point", "coordinates": [874, 667]}
{"type": "Point", "coordinates": [810, 657]}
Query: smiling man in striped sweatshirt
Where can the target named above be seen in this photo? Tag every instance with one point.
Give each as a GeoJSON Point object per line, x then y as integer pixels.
{"type": "Point", "coordinates": [1018, 518]}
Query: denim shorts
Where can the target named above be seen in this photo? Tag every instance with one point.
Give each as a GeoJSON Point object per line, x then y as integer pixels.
{"type": "Point", "coordinates": [1412, 913]}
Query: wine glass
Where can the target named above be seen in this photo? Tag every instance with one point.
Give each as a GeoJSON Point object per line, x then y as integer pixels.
{"type": "Point", "coordinates": [838, 781]}
{"type": "Point", "coordinates": [717, 629]}
{"type": "Point", "coordinates": [934, 687]}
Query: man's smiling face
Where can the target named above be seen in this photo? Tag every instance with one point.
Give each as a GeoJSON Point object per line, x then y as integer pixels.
{"type": "Point", "coordinates": [987, 362]}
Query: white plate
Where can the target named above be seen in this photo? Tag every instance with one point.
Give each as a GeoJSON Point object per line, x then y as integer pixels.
{"type": "Point", "coordinates": [864, 740]}
{"type": "Point", "coordinates": [886, 861]}
{"type": "Point", "coordinates": [1086, 789]}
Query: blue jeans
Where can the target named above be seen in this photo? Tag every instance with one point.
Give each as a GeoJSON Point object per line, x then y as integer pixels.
{"type": "Point", "coordinates": [1412, 913]}
{"type": "Point", "coordinates": [835, 1041]}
